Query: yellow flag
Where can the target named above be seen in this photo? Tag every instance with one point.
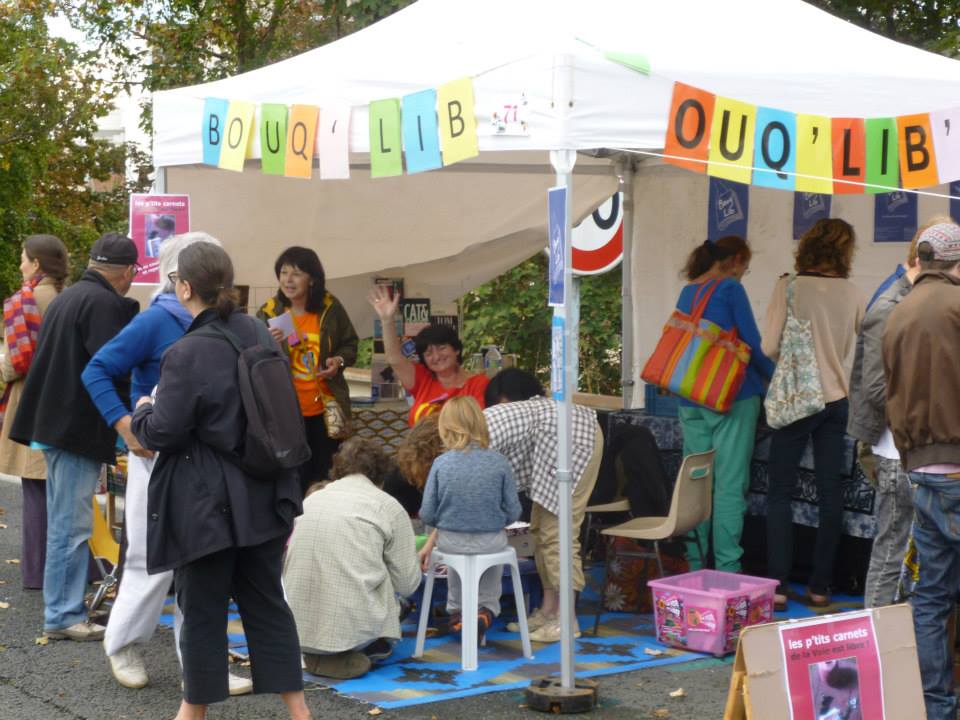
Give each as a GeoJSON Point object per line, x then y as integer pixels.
{"type": "Point", "coordinates": [814, 154]}
{"type": "Point", "coordinates": [731, 140]}
{"type": "Point", "coordinates": [458, 123]}
{"type": "Point", "coordinates": [237, 135]}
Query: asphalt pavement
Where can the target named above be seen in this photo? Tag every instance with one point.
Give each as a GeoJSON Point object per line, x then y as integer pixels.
{"type": "Point", "coordinates": [65, 680]}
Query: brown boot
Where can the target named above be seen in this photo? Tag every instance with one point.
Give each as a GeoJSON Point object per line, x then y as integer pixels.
{"type": "Point", "coordinates": [342, 666]}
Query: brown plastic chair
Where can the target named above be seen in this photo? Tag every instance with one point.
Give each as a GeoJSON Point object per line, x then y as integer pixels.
{"type": "Point", "coordinates": [690, 505]}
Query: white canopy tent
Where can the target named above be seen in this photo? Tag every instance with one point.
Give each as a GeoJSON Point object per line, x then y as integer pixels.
{"type": "Point", "coordinates": [450, 229]}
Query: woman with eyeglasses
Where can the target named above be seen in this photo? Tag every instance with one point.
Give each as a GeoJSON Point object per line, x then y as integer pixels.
{"type": "Point", "coordinates": [322, 343]}
{"type": "Point", "coordinates": [219, 528]}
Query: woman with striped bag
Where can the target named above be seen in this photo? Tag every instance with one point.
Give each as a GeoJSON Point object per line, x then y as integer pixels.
{"type": "Point", "coordinates": [720, 373]}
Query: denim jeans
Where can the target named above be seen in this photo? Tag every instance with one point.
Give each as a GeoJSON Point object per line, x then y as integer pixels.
{"type": "Point", "coordinates": [827, 428]}
{"type": "Point", "coordinates": [71, 481]}
{"type": "Point", "coordinates": [894, 514]}
{"type": "Point", "coordinates": [936, 534]}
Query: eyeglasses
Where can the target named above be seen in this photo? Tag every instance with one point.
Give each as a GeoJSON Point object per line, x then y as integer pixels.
{"type": "Point", "coordinates": [137, 269]}
{"type": "Point", "coordinates": [173, 277]}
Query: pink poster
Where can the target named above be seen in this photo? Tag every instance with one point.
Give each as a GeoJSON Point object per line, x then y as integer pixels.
{"type": "Point", "coordinates": [833, 668]}
{"type": "Point", "coordinates": [154, 218]}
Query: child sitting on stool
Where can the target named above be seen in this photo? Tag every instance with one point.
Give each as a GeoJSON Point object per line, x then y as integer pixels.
{"type": "Point", "coordinates": [470, 497]}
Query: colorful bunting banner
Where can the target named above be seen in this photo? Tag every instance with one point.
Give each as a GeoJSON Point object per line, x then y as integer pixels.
{"type": "Point", "coordinates": [421, 141]}
{"type": "Point", "coordinates": [333, 143]}
{"type": "Point", "coordinates": [214, 122]}
{"type": "Point", "coordinates": [238, 136]}
{"type": "Point", "coordinates": [273, 138]}
{"type": "Point", "coordinates": [776, 148]}
{"type": "Point", "coordinates": [458, 121]}
{"type": "Point", "coordinates": [386, 155]}
{"type": "Point", "coordinates": [301, 140]}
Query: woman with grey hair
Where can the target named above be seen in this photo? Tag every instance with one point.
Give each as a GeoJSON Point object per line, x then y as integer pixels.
{"type": "Point", "coordinates": [136, 352]}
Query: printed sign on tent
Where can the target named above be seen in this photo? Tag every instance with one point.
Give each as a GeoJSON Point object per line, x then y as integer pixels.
{"type": "Point", "coordinates": [883, 171]}
{"type": "Point", "coordinates": [386, 156]}
{"type": "Point", "coordinates": [598, 240]}
{"type": "Point", "coordinates": [945, 127]}
{"type": "Point", "coordinates": [557, 226]}
{"type": "Point", "coordinates": [214, 120]}
{"type": "Point", "coordinates": [918, 167]}
{"type": "Point", "coordinates": [237, 135]}
{"type": "Point", "coordinates": [849, 155]}
{"type": "Point", "coordinates": [273, 138]}
{"type": "Point", "coordinates": [458, 121]}
{"type": "Point", "coordinates": [333, 142]}
{"type": "Point", "coordinates": [688, 127]}
{"type": "Point", "coordinates": [731, 140]}
{"type": "Point", "coordinates": [807, 209]}
{"type": "Point", "coordinates": [775, 149]}
{"type": "Point", "coordinates": [833, 668]}
{"type": "Point", "coordinates": [153, 219]}
{"type": "Point", "coordinates": [301, 141]}
{"type": "Point", "coordinates": [895, 217]}
{"type": "Point", "coordinates": [421, 142]}
{"type": "Point", "coordinates": [559, 360]}
{"type": "Point", "coordinates": [814, 154]}
{"type": "Point", "coordinates": [728, 206]}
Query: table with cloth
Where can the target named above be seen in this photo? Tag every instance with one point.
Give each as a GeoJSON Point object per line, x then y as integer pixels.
{"type": "Point", "coordinates": [859, 522]}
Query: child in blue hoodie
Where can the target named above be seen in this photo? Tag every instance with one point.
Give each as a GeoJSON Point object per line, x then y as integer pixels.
{"type": "Point", "coordinates": [470, 497]}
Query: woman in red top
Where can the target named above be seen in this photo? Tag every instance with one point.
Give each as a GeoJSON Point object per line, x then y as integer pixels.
{"type": "Point", "coordinates": [439, 375]}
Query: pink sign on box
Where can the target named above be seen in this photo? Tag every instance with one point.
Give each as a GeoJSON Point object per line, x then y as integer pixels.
{"type": "Point", "coordinates": [154, 219]}
{"type": "Point", "coordinates": [833, 668]}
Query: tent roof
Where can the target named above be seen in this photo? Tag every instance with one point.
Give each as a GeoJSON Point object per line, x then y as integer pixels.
{"type": "Point", "coordinates": [777, 53]}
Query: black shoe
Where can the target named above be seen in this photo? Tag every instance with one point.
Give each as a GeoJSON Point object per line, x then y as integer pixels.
{"type": "Point", "coordinates": [406, 607]}
{"type": "Point", "coordinates": [379, 649]}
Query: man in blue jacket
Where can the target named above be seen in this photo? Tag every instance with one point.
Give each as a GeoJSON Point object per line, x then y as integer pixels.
{"type": "Point", "coordinates": [57, 416]}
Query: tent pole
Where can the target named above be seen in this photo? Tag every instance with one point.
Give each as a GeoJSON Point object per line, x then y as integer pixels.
{"type": "Point", "coordinates": [563, 161]}
{"type": "Point", "coordinates": [626, 269]}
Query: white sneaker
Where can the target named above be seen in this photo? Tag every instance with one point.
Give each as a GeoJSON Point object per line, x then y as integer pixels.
{"type": "Point", "coordinates": [127, 667]}
{"type": "Point", "coordinates": [81, 632]}
{"type": "Point", "coordinates": [536, 619]}
{"type": "Point", "coordinates": [550, 632]}
{"type": "Point", "coordinates": [239, 685]}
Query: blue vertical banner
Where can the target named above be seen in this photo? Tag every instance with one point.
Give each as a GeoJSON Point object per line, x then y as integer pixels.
{"type": "Point", "coordinates": [807, 209]}
{"type": "Point", "coordinates": [557, 228]}
{"type": "Point", "coordinates": [559, 361]}
{"type": "Point", "coordinates": [895, 217]}
{"type": "Point", "coordinates": [955, 200]}
{"type": "Point", "coordinates": [727, 209]}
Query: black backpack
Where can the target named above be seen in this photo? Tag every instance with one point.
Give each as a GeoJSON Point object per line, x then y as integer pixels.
{"type": "Point", "coordinates": [275, 439]}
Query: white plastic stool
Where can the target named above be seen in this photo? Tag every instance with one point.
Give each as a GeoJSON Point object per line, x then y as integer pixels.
{"type": "Point", "coordinates": [470, 569]}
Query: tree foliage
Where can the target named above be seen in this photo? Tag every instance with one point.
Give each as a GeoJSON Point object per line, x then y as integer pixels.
{"type": "Point", "coordinates": [928, 24]}
{"type": "Point", "coordinates": [50, 156]}
{"type": "Point", "coordinates": [511, 312]}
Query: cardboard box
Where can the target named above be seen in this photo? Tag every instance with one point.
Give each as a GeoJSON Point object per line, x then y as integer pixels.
{"type": "Point", "coordinates": [519, 537]}
{"type": "Point", "coordinates": [759, 686]}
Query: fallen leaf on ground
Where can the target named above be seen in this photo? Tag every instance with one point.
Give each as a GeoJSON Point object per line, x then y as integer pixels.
{"type": "Point", "coordinates": [678, 693]}
{"type": "Point", "coordinates": [3, 582]}
{"type": "Point", "coordinates": [13, 561]}
{"type": "Point", "coordinates": [655, 653]}
{"type": "Point", "coordinates": [375, 711]}
{"type": "Point", "coordinates": [661, 713]}
{"type": "Point", "coordinates": [2, 526]}
{"type": "Point", "coordinates": [41, 641]}
{"type": "Point", "coordinates": [4, 605]}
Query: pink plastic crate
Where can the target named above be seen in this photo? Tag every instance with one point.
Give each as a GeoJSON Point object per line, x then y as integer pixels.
{"type": "Point", "coordinates": [705, 610]}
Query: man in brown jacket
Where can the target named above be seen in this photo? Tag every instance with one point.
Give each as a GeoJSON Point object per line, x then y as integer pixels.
{"type": "Point", "coordinates": [921, 359]}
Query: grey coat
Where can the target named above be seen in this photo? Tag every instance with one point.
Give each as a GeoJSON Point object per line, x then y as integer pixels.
{"type": "Point", "coordinates": [868, 393]}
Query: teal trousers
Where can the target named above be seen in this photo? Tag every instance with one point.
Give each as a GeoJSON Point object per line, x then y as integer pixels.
{"type": "Point", "coordinates": [732, 436]}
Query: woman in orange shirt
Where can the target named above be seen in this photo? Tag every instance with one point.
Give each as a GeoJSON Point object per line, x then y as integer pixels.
{"type": "Point", "coordinates": [322, 344]}
{"type": "Point", "coordinates": [439, 375]}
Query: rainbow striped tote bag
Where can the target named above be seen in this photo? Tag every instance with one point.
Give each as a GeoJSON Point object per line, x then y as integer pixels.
{"type": "Point", "coordinates": [698, 360]}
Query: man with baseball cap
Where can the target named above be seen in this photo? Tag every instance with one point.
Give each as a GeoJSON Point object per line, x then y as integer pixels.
{"type": "Point", "coordinates": [921, 360]}
{"type": "Point", "coordinates": [57, 416]}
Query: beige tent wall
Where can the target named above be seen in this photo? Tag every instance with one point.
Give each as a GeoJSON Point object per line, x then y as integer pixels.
{"type": "Point", "coordinates": [671, 218]}
{"type": "Point", "coordinates": [444, 232]}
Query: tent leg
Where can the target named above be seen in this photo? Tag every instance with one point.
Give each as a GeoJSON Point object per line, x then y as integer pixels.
{"type": "Point", "coordinates": [626, 296]}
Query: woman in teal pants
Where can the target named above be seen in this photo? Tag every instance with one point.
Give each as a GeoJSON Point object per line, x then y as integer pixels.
{"type": "Point", "coordinates": [730, 434]}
